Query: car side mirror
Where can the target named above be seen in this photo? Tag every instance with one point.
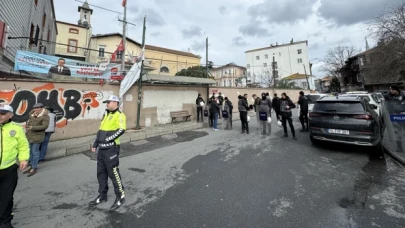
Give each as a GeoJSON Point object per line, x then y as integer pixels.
{"type": "Point", "coordinates": [373, 106]}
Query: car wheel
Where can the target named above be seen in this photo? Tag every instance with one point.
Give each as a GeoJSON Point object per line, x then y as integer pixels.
{"type": "Point", "coordinates": [314, 141]}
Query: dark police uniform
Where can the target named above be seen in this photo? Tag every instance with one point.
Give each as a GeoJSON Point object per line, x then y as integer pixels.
{"type": "Point", "coordinates": [113, 125]}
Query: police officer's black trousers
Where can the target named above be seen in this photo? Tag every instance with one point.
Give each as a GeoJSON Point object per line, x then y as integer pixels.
{"type": "Point", "coordinates": [8, 183]}
{"type": "Point", "coordinates": [284, 120]}
{"type": "Point", "coordinates": [244, 121]}
{"type": "Point", "coordinates": [304, 119]}
{"type": "Point", "coordinates": [107, 167]}
{"type": "Point", "coordinates": [200, 113]}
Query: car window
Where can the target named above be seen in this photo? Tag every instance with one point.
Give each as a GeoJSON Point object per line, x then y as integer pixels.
{"type": "Point", "coordinates": [312, 98]}
{"type": "Point", "coordinates": [344, 107]}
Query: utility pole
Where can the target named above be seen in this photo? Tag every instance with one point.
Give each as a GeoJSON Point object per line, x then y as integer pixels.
{"type": "Point", "coordinates": [138, 116]}
{"type": "Point", "coordinates": [124, 40]}
{"type": "Point", "coordinates": [206, 57]}
{"type": "Point", "coordinates": [273, 66]}
{"type": "Point", "coordinates": [306, 76]}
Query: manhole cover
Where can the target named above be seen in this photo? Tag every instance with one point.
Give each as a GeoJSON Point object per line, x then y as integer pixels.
{"type": "Point", "coordinates": [170, 136]}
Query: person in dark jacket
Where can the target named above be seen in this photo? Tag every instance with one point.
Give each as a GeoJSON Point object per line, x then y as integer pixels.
{"type": "Point", "coordinates": [395, 94]}
{"type": "Point", "coordinates": [199, 107]}
{"type": "Point", "coordinates": [228, 107]}
{"type": "Point", "coordinates": [286, 115]}
{"type": "Point", "coordinates": [303, 102]}
{"type": "Point", "coordinates": [210, 117]}
{"type": "Point", "coordinates": [214, 110]}
{"type": "Point", "coordinates": [243, 110]}
{"type": "Point", "coordinates": [264, 110]}
{"type": "Point", "coordinates": [276, 105]}
{"type": "Point", "coordinates": [256, 105]}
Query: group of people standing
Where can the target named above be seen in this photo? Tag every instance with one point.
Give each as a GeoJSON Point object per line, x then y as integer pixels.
{"type": "Point", "coordinates": [220, 107]}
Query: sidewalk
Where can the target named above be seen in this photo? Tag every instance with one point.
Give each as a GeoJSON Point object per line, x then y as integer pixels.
{"type": "Point", "coordinates": [62, 148]}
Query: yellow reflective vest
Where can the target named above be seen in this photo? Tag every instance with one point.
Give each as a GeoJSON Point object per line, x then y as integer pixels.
{"type": "Point", "coordinates": [13, 145]}
{"type": "Point", "coordinates": [112, 126]}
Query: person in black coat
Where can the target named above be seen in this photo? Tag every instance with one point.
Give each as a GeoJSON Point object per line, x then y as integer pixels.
{"type": "Point", "coordinates": [229, 107]}
{"type": "Point", "coordinates": [214, 110]}
{"type": "Point", "coordinates": [199, 108]}
{"type": "Point", "coordinates": [286, 115]}
{"type": "Point", "coordinates": [276, 105]}
{"type": "Point", "coordinates": [243, 113]}
{"type": "Point", "coordinates": [303, 102]}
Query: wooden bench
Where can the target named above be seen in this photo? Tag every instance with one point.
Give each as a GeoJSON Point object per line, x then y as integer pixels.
{"type": "Point", "coordinates": [178, 114]}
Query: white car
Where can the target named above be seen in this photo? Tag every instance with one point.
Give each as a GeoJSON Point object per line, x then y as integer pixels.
{"type": "Point", "coordinates": [372, 99]}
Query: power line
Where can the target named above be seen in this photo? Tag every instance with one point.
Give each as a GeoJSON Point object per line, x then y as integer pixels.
{"type": "Point", "coordinates": [100, 7]}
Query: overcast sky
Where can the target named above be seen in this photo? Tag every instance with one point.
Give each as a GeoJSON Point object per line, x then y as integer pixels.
{"type": "Point", "coordinates": [234, 26]}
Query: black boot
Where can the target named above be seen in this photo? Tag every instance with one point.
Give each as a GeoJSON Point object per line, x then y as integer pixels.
{"type": "Point", "coordinates": [117, 203]}
{"type": "Point", "coordinates": [285, 135]}
{"type": "Point", "coordinates": [295, 138]}
{"type": "Point", "coordinates": [98, 200]}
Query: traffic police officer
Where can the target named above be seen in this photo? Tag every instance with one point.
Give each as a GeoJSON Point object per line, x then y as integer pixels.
{"type": "Point", "coordinates": [113, 125]}
{"type": "Point", "coordinates": [13, 145]}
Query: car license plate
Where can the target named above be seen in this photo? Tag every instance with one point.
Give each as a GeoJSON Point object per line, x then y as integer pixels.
{"type": "Point", "coordinates": [341, 132]}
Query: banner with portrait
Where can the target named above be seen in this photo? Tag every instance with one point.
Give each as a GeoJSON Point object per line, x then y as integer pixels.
{"type": "Point", "coordinates": [48, 64]}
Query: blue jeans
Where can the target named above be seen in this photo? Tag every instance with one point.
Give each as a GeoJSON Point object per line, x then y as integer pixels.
{"type": "Point", "coordinates": [34, 155]}
{"type": "Point", "coordinates": [44, 145]}
{"type": "Point", "coordinates": [216, 120]}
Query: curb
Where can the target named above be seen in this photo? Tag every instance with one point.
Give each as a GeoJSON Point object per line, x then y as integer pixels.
{"type": "Point", "coordinates": [129, 136]}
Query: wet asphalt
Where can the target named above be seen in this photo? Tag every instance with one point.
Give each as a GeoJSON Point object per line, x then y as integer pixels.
{"type": "Point", "coordinates": [278, 182]}
{"type": "Point", "coordinates": [209, 178]}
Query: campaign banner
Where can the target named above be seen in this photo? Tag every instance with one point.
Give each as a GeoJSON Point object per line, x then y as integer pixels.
{"type": "Point", "coordinates": [45, 64]}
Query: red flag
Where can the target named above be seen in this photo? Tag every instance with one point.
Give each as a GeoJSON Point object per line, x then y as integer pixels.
{"type": "Point", "coordinates": [119, 48]}
{"type": "Point", "coordinates": [124, 3]}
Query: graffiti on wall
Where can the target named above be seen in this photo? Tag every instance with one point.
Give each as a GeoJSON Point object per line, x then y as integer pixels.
{"type": "Point", "coordinates": [68, 104]}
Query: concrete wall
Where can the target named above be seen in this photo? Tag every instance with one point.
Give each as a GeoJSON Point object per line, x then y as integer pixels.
{"type": "Point", "coordinates": [79, 106]}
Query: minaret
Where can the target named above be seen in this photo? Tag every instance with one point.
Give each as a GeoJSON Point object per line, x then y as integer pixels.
{"type": "Point", "coordinates": [85, 14]}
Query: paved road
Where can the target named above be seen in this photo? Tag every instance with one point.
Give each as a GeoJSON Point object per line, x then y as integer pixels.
{"type": "Point", "coordinates": [221, 179]}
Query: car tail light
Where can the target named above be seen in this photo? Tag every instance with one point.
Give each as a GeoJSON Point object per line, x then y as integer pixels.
{"type": "Point", "coordinates": [363, 117]}
{"type": "Point", "coordinates": [314, 114]}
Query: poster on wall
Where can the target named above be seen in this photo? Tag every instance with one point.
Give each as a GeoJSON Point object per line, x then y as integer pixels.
{"type": "Point", "coordinates": [46, 64]}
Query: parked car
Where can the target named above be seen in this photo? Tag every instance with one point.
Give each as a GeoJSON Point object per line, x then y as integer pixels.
{"type": "Point", "coordinates": [369, 97]}
{"type": "Point", "coordinates": [345, 119]}
{"type": "Point", "coordinates": [378, 96]}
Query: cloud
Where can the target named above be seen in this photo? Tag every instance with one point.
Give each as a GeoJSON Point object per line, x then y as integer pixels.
{"type": "Point", "coordinates": [238, 41]}
{"type": "Point", "coordinates": [348, 12]}
{"type": "Point", "coordinates": [254, 29]}
{"type": "Point", "coordinates": [223, 10]}
{"type": "Point", "coordinates": [196, 46]}
{"type": "Point", "coordinates": [191, 32]}
{"type": "Point", "coordinates": [152, 17]}
{"type": "Point", "coordinates": [155, 34]}
{"type": "Point", "coordinates": [281, 11]}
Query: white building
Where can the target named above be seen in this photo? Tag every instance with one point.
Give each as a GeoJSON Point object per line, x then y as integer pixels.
{"type": "Point", "coordinates": [290, 58]}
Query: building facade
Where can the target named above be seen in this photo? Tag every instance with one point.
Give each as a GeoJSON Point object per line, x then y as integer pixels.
{"type": "Point", "coordinates": [104, 45]}
{"type": "Point", "coordinates": [290, 58]}
{"type": "Point", "coordinates": [303, 81]}
{"type": "Point", "coordinates": [168, 61]}
{"type": "Point", "coordinates": [158, 60]}
{"type": "Point", "coordinates": [27, 25]}
{"type": "Point", "coordinates": [73, 40]}
{"type": "Point", "coordinates": [230, 75]}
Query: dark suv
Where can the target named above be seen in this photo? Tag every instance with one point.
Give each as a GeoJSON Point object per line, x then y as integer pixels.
{"type": "Point", "coordinates": [349, 120]}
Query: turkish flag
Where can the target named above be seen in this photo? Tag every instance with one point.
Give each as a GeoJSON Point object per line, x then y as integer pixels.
{"type": "Point", "coordinates": [124, 3]}
{"type": "Point", "coordinates": [119, 48]}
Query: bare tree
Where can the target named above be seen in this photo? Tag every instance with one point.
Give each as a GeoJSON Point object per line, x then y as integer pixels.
{"type": "Point", "coordinates": [335, 59]}
{"type": "Point", "coordinates": [388, 29]}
